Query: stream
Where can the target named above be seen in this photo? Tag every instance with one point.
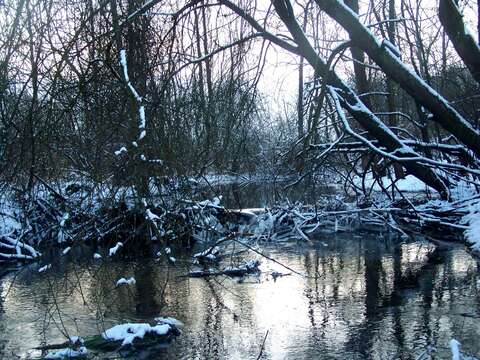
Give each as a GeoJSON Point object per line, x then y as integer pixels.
{"type": "Point", "coordinates": [343, 296]}
{"type": "Point", "coordinates": [358, 297]}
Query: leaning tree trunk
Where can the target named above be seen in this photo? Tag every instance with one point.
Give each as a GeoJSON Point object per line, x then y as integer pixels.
{"type": "Point", "coordinates": [382, 53]}
{"type": "Point", "coordinates": [462, 40]}
{"type": "Point", "coordinates": [352, 103]}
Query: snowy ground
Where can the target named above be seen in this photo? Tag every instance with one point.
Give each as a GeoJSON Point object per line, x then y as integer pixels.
{"type": "Point", "coordinates": [408, 184]}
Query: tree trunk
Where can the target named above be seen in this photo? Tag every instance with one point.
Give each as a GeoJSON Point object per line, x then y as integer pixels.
{"type": "Point", "coordinates": [393, 67]}
{"type": "Point", "coordinates": [462, 40]}
{"type": "Point", "coordinates": [352, 103]}
{"type": "Point", "coordinates": [392, 118]}
{"type": "Point", "coordinates": [361, 80]}
{"type": "Point", "coordinates": [209, 116]}
{"type": "Point", "coordinates": [362, 85]}
{"type": "Point", "coordinates": [300, 124]}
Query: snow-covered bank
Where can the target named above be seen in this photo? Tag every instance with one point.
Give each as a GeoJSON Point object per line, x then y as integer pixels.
{"type": "Point", "coordinates": [472, 220]}
{"type": "Point", "coordinates": [464, 207]}
{"type": "Point", "coordinates": [60, 219]}
{"type": "Point", "coordinates": [407, 184]}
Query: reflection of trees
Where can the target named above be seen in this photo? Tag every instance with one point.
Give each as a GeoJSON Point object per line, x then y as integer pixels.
{"type": "Point", "coordinates": [213, 339]}
{"type": "Point", "coordinates": [2, 328]}
{"type": "Point", "coordinates": [362, 336]}
{"type": "Point", "coordinates": [236, 196]}
{"type": "Point", "coordinates": [397, 277]}
{"type": "Point", "coordinates": [314, 295]}
{"type": "Point", "coordinates": [146, 304]}
{"type": "Point", "coordinates": [330, 300]}
{"type": "Point", "coordinates": [410, 302]}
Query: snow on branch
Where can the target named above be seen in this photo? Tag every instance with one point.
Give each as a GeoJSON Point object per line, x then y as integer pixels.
{"type": "Point", "coordinates": [405, 153]}
{"type": "Point", "coordinates": [22, 250]}
{"type": "Point", "coordinates": [135, 94]}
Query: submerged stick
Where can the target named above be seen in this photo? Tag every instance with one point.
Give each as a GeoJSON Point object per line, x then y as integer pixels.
{"type": "Point", "coordinates": [263, 345]}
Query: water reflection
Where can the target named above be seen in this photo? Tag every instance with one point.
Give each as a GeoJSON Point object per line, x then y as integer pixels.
{"type": "Point", "coordinates": [360, 298]}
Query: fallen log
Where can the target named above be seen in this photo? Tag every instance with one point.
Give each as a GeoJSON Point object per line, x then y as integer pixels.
{"type": "Point", "coordinates": [249, 267]}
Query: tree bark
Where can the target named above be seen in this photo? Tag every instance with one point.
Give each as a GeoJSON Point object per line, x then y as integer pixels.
{"type": "Point", "coordinates": [462, 40]}
{"type": "Point", "coordinates": [361, 80]}
{"type": "Point", "coordinates": [393, 119]}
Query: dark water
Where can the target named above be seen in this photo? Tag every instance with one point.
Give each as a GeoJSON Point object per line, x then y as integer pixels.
{"type": "Point", "coordinates": [360, 297]}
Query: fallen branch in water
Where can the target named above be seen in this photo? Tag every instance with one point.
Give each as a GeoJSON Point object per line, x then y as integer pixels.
{"type": "Point", "coordinates": [249, 267]}
{"type": "Point", "coordinates": [263, 346]}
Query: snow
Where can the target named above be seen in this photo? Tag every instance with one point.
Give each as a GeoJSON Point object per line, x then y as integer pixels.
{"type": "Point", "coordinates": [151, 216]}
{"type": "Point", "coordinates": [215, 202]}
{"type": "Point", "coordinates": [472, 219]}
{"type": "Point", "coordinates": [129, 281]}
{"type": "Point", "coordinates": [67, 353]}
{"type": "Point", "coordinates": [18, 245]}
{"type": "Point", "coordinates": [61, 236]}
{"type": "Point", "coordinates": [97, 256]}
{"type": "Point", "coordinates": [408, 184]}
{"type": "Point", "coordinates": [66, 250]}
{"type": "Point", "coordinates": [252, 264]}
{"type": "Point", "coordinates": [122, 150]}
{"type": "Point", "coordinates": [15, 256]}
{"type": "Point", "coordinates": [391, 47]}
{"type": "Point", "coordinates": [64, 218]}
{"type": "Point", "coordinates": [112, 251]}
{"type": "Point", "coordinates": [169, 321]}
{"type": "Point", "coordinates": [156, 161]}
{"type": "Point", "coordinates": [44, 268]}
{"type": "Point", "coordinates": [464, 195]}
{"type": "Point", "coordinates": [76, 340]}
{"type": "Point", "coordinates": [210, 254]}
{"type": "Point", "coordinates": [463, 191]}
{"type": "Point", "coordinates": [455, 348]}
{"type": "Point", "coordinates": [141, 112]}
{"type": "Point", "coordinates": [128, 332]}
{"type": "Point", "coordinates": [123, 63]}
{"type": "Point", "coordinates": [265, 225]}
{"type": "Point", "coordinates": [136, 95]}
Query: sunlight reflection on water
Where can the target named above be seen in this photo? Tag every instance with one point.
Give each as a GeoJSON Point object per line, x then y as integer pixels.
{"type": "Point", "coordinates": [362, 297]}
